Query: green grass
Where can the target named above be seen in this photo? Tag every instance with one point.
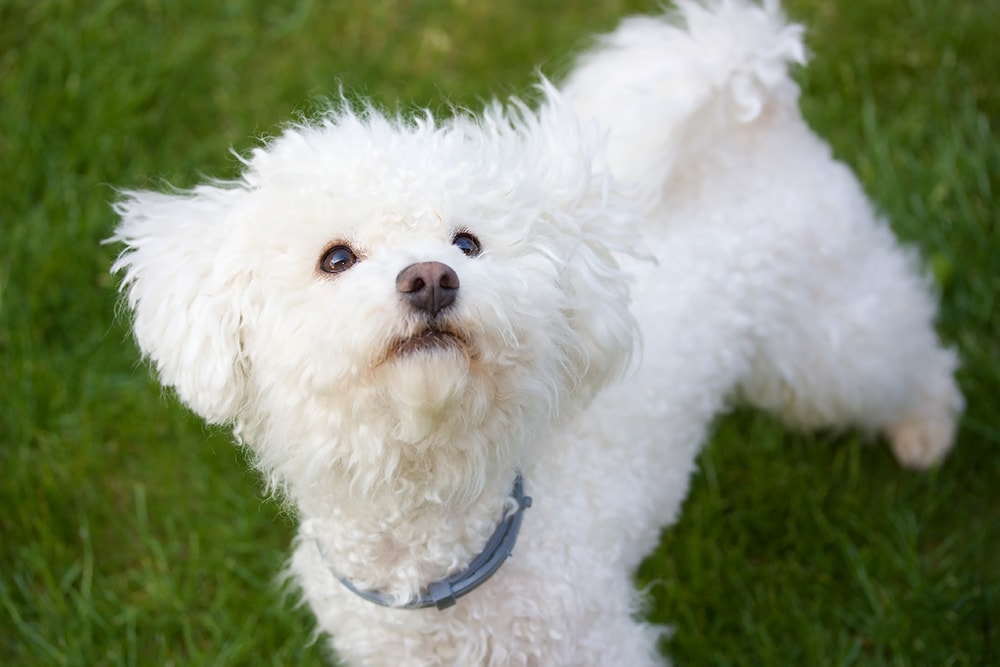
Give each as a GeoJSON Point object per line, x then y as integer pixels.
{"type": "Point", "coordinates": [132, 535]}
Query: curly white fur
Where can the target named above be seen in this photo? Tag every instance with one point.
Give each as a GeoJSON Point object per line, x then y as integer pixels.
{"type": "Point", "coordinates": [773, 282]}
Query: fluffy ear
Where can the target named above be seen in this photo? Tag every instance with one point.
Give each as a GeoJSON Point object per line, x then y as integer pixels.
{"type": "Point", "coordinates": [184, 286]}
{"type": "Point", "coordinates": [598, 225]}
{"type": "Point", "coordinates": [600, 313]}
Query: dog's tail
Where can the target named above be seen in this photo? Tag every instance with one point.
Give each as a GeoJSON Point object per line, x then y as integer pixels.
{"type": "Point", "coordinates": [664, 87]}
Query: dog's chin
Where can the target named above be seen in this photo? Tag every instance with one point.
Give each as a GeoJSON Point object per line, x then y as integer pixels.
{"type": "Point", "coordinates": [425, 379]}
{"type": "Point", "coordinates": [427, 342]}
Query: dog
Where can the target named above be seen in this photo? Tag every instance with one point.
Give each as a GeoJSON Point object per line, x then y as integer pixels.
{"type": "Point", "coordinates": [480, 355]}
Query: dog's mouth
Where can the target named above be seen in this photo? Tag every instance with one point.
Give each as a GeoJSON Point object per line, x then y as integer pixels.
{"type": "Point", "coordinates": [427, 341]}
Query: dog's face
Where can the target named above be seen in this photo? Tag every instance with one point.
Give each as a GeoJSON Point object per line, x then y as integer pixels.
{"type": "Point", "coordinates": [383, 304]}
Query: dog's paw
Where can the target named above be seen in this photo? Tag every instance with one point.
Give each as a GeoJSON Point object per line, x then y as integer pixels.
{"type": "Point", "coordinates": [926, 431]}
{"type": "Point", "coordinates": [919, 443]}
{"type": "Point", "coordinates": [923, 438]}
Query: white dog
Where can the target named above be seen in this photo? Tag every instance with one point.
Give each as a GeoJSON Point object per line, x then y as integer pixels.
{"type": "Point", "coordinates": [414, 325]}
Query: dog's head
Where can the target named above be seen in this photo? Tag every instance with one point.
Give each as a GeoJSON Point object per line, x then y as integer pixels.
{"type": "Point", "coordinates": [387, 302]}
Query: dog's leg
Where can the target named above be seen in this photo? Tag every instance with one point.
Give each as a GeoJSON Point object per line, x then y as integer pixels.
{"type": "Point", "coordinates": [858, 348]}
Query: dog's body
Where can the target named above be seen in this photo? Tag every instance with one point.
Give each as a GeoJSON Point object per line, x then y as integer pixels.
{"type": "Point", "coordinates": [397, 317]}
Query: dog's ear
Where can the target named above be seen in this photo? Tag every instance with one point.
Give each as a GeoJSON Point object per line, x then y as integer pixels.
{"type": "Point", "coordinates": [599, 311]}
{"type": "Point", "coordinates": [594, 224]}
{"type": "Point", "coordinates": [185, 286]}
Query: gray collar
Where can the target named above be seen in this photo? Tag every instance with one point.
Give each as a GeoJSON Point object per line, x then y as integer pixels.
{"type": "Point", "coordinates": [443, 594]}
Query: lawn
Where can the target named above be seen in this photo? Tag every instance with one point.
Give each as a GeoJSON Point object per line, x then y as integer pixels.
{"type": "Point", "coordinates": [130, 534]}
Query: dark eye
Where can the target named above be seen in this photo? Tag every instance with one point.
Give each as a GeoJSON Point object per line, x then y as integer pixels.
{"type": "Point", "coordinates": [338, 259]}
{"type": "Point", "coordinates": [467, 243]}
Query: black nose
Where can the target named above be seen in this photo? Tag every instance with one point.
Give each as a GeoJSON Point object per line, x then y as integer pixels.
{"type": "Point", "coordinates": [428, 286]}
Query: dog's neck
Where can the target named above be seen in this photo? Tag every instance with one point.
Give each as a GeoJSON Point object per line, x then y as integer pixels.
{"type": "Point", "coordinates": [376, 547]}
{"type": "Point", "coordinates": [444, 593]}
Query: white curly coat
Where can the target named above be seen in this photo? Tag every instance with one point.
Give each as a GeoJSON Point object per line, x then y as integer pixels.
{"type": "Point", "coordinates": [675, 154]}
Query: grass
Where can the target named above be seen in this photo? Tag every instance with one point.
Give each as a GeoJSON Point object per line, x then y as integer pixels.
{"type": "Point", "coordinates": [132, 535]}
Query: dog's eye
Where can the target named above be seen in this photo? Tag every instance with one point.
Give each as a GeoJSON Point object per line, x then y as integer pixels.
{"type": "Point", "coordinates": [338, 259]}
{"type": "Point", "coordinates": [467, 243]}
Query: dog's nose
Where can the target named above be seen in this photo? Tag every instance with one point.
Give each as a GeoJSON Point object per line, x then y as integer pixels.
{"type": "Point", "coordinates": [428, 286]}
